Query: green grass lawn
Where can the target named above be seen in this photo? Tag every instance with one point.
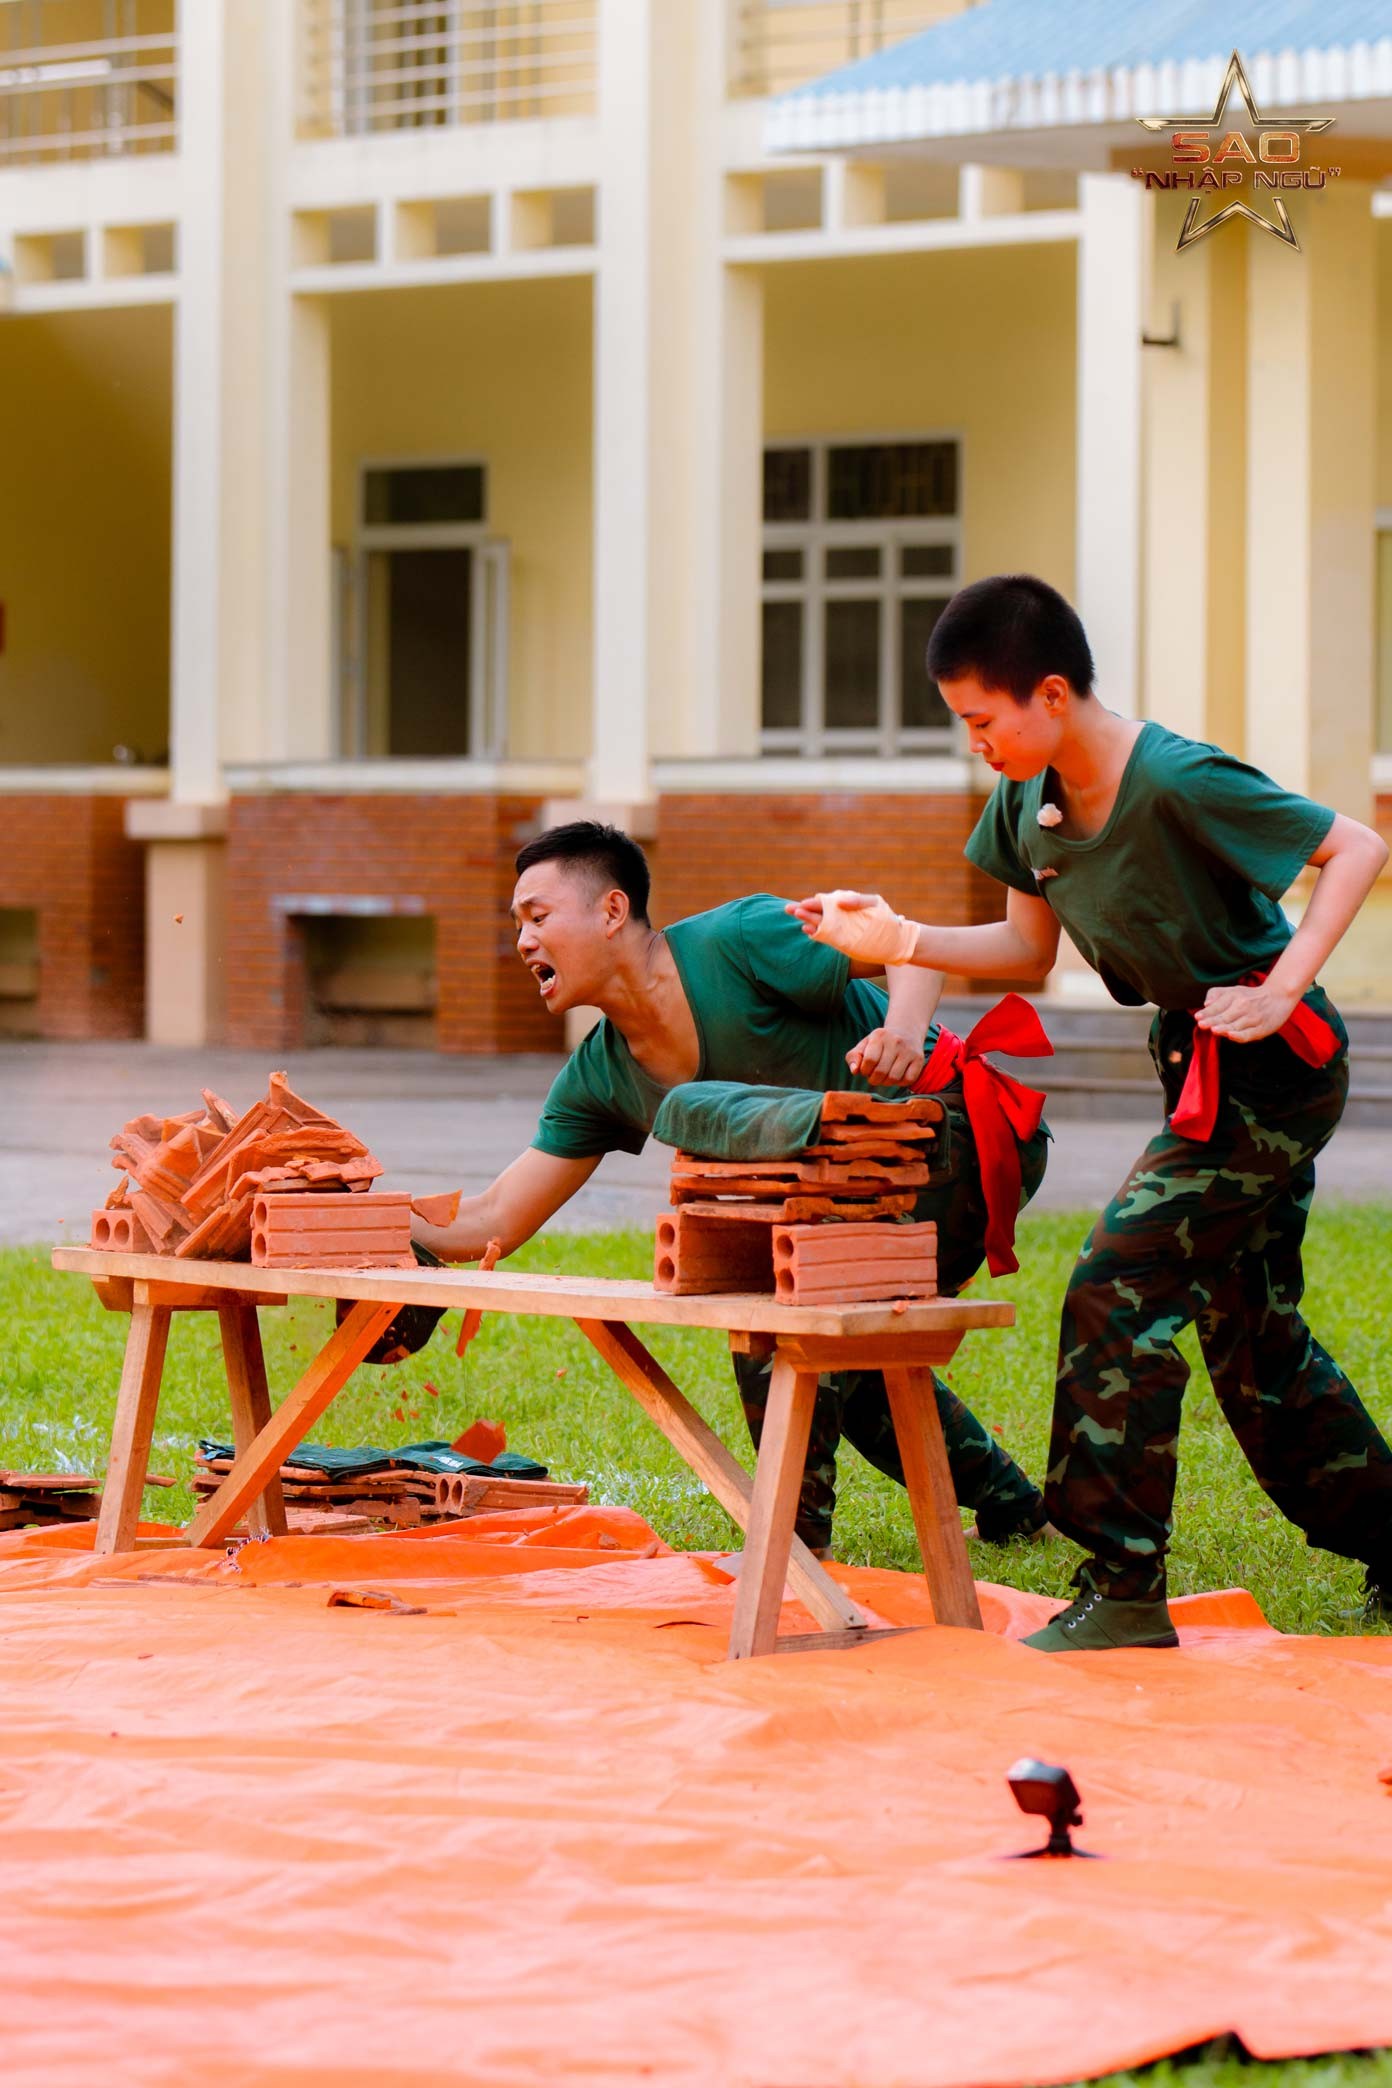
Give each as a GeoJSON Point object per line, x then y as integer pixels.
{"type": "Point", "coordinates": [61, 1364]}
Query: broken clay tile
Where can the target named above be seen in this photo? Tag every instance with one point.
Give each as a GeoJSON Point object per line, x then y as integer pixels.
{"type": "Point", "coordinates": [483, 1440]}
{"type": "Point", "coordinates": [473, 1318]}
{"type": "Point", "coordinates": [374, 1599]}
{"type": "Point", "coordinates": [164, 1226]}
{"type": "Point", "coordinates": [221, 1113]}
{"type": "Point", "coordinates": [843, 1105]}
{"type": "Point", "coordinates": [858, 1134]}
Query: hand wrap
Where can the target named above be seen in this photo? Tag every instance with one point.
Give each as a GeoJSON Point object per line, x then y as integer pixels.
{"type": "Point", "coordinates": [872, 934]}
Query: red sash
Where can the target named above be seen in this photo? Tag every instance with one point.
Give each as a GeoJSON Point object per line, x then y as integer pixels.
{"type": "Point", "coordinates": [1000, 1109]}
{"type": "Point", "coordinates": [1196, 1112]}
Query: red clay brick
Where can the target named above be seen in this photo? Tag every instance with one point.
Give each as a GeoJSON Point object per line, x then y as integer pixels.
{"type": "Point", "coordinates": [304, 1230]}
{"type": "Point", "coordinates": [119, 1231]}
{"type": "Point", "coordinates": [702, 1253]}
{"type": "Point", "coordinates": [851, 1263]}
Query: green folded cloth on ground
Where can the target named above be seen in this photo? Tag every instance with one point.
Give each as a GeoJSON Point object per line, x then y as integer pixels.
{"type": "Point", "coordinates": [724, 1120]}
{"type": "Point", "coordinates": [337, 1463]}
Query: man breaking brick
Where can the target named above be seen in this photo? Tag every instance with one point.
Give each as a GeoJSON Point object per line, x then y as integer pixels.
{"type": "Point", "coordinates": [741, 994]}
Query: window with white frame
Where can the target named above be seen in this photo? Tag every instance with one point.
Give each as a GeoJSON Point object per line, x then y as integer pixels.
{"type": "Point", "coordinates": [427, 610]}
{"type": "Point", "coordinates": [861, 549]}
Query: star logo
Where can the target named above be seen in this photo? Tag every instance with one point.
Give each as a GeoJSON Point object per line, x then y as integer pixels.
{"type": "Point", "coordinates": [1268, 164]}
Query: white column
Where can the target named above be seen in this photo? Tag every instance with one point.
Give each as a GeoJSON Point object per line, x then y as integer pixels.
{"type": "Point", "coordinates": [678, 409]}
{"type": "Point", "coordinates": [298, 713]}
{"type": "Point", "coordinates": [197, 594]}
{"type": "Point", "coordinates": [301, 706]}
{"type": "Point", "coordinates": [1194, 484]}
{"type": "Point", "coordinates": [217, 595]}
{"type": "Point", "coordinates": [1312, 407]}
{"type": "Point", "coordinates": [1112, 276]}
{"type": "Point", "coordinates": [218, 606]}
{"type": "Point", "coordinates": [624, 518]}
{"type": "Point", "coordinates": [720, 713]}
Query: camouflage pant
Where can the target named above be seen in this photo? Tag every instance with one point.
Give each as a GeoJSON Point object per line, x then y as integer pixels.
{"type": "Point", "coordinates": [854, 1404]}
{"type": "Point", "coordinates": [1211, 1232]}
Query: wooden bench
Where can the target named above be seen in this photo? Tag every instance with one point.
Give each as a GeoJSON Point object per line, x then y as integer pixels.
{"type": "Point", "coordinates": [803, 1341]}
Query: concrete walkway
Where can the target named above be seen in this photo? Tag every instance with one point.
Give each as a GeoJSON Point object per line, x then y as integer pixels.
{"type": "Point", "coordinates": [435, 1122]}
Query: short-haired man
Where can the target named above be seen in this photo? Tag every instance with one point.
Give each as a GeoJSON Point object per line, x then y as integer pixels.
{"type": "Point", "coordinates": [736, 994]}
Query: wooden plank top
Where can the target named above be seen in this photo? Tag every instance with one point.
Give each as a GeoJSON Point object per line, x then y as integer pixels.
{"type": "Point", "coordinates": [551, 1297]}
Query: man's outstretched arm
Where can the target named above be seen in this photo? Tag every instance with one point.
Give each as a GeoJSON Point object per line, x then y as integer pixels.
{"type": "Point", "coordinates": [1022, 946]}
{"type": "Point", "coordinates": [512, 1208]}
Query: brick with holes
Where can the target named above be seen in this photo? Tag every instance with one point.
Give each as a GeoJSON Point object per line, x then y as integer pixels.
{"type": "Point", "coordinates": [117, 1230]}
{"type": "Point", "coordinates": [299, 1229]}
{"type": "Point", "coordinates": [699, 1252]}
{"type": "Point", "coordinates": [854, 1263]}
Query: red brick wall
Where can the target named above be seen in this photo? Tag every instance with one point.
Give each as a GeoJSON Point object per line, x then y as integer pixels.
{"type": "Point", "coordinates": [451, 854]}
{"type": "Point", "coordinates": [907, 845]}
{"type": "Point", "coordinates": [68, 858]}
{"type": "Point", "coordinates": [454, 856]}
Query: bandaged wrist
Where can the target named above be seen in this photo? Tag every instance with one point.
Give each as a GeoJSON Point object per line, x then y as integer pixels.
{"type": "Point", "coordinates": [872, 934]}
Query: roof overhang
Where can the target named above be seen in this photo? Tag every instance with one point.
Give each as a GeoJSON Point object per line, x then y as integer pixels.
{"type": "Point", "coordinates": [1076, 117]}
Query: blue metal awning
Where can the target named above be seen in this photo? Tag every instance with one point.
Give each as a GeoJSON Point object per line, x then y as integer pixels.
{"type": "Point", "coordinates": [1011, 66]}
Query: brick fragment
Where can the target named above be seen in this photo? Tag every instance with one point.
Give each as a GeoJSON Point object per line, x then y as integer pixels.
{"type": "Point", "coordinates": [472, 1319]}
{"type": "Point", "coordinates": [483, 1440]}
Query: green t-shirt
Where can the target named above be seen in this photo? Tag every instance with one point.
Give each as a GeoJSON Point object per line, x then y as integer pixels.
{"type": "Point", "coordinates": [1178, 891]}
{"type": "Point", "coordinates": [771, 1008]}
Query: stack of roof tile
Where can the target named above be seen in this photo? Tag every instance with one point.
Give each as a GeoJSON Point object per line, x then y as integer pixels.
{"type": "Point", "coordinates": [189, 1182]}
{"type": "Point", "coordinates": [400, 1498]}
{"type": "Point", "coordinates": [51, 1497]}
{"type": "Point", "coordinates": [774, 1225]}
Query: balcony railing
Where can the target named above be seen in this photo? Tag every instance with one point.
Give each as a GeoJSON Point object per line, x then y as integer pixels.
{"type": "Point", "coordinates": [781, 43]}
{"type": "Point", "coordinates": [381, 65]}
{"type": "Point", "coordinates": [66, 94]}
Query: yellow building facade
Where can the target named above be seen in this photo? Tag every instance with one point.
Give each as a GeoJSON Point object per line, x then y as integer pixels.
{"type": "Point", "coordinates": [421, 422]}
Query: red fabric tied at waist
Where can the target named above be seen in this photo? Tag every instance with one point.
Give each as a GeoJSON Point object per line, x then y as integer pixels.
{"type": "Point", "coordinates": [1196, 1112]}
{"type": "Point", "coordinates": [1000, 1109]}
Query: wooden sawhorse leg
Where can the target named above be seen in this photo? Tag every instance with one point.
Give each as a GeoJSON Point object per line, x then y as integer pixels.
{"type": "Point", "coordinates": [773, 1509]}
{"type": "Point", "coordinates": [134, 1428]}
{"type": "Point", "coordinates": [725, 1477]}
{"type": "Point", "coordinates": [913, 1405]}
{"type": "Point", "coordinates": [907, 1363]}
{"type": "Point", "coordinates": [251, 1407]}
{"type": "Point", "coordinates": [259, 1463]}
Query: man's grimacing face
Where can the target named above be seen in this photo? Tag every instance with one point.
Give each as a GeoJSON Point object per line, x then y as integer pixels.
{"type": "Point", "coordinates": [1017, 740]}
{"type": "Point", "coordinates": [566, 920]}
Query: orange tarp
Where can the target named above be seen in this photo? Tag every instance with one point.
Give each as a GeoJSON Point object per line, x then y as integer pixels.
{"type": "Point", "coordinates": [544, 1832]}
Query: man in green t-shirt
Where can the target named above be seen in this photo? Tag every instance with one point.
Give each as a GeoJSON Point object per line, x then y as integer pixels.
{"type": "Point", "coordinates": [737, 994]}
{"type": "Point", "coordinates": [1165, 860]}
